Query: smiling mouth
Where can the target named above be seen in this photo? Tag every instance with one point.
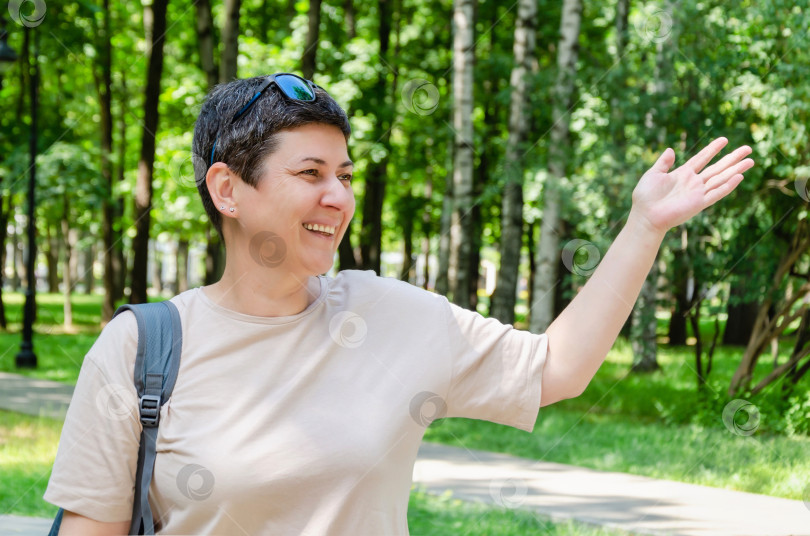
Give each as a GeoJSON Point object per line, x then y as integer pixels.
{"type": "Point", "coordinates": [325, 230]}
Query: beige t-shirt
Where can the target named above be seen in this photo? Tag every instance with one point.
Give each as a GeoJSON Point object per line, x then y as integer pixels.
{"type": "Point", "coordinates": [305, 424]}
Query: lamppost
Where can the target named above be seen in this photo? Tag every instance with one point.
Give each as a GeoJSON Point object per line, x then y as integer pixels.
{"type": "Point", "coordinates": [27, 358]}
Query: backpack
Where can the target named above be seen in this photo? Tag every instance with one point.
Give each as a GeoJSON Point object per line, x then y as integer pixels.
{"type": "Point", "coordinates": [160, 342]}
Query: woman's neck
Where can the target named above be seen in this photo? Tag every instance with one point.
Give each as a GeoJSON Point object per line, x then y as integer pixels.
{"type": "Point", "coordinates": [280, 294]}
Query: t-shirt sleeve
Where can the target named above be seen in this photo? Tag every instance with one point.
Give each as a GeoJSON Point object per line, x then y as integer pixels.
{"type": "Point", "coordinates": [496, 370]}
{"type": "Point", "coordinates": [94, 471]}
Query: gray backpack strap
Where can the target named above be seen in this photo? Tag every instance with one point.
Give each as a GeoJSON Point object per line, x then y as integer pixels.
{"type": "Point", "coordinates": [160, 342]}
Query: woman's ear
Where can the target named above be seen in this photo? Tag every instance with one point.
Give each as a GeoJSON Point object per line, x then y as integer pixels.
{"type": "Point", "coordinates": [220, 181]}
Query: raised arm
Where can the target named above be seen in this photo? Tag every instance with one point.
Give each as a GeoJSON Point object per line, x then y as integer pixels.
{"type": "Point", "coordinates": [580, 338]}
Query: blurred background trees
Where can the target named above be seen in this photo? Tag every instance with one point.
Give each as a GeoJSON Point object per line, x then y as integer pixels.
{"type": "Point", "coordinates": [497, 147]}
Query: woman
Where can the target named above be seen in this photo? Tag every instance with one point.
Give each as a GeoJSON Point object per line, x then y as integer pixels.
{"type": "Point", "coordinates": [302, 399]}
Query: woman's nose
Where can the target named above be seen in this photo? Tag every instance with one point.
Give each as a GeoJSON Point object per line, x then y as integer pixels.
{"type": "Point", "coordinates": [338, 194]}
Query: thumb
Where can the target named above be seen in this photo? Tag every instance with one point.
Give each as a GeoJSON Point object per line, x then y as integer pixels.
{"type": "Point", "coordinates": [665, 161]}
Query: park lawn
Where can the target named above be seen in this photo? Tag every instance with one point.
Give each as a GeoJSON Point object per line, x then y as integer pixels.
{"type": "Point", "coordinates": [59, 351]}
{"type": "Point", "coordinates": [442, 515]}
{"type": "Point", "coordinates": [654, 425]}
{"type": "Point", "coordinates": [27, 450]}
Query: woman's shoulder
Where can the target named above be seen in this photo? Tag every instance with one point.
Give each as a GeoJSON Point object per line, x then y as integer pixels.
{"type": "Point", "coordinates": [120, 334]}
{"type": "Point", "coordinates": [366, 285]}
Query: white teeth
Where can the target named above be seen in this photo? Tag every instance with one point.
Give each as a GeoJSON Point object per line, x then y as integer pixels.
{"type": "Point", "coordinates": [328, 229]}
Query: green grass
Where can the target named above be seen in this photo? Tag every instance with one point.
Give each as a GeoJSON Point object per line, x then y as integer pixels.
{"type": "Point", "coordinates": [709, 456]}
{"type": "Point", "coordinates": [59, 356]}
{"type": "Point", "coordinates": [430, 515]}
{"type": "Point", "coordinates": [50, 309]}
{"type": "Point", "coordinates": [654, 425]}
{"type": "Point", "coordinates": [27, 450]}
{"type": "Point", "coordinates": [59, 351]}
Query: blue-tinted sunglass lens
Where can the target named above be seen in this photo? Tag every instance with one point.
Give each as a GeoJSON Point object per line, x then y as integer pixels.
{"type": "Point", "coordinates": [295, 88]}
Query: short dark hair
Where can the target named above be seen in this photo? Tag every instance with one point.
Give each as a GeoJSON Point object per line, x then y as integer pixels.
{"type": "Point", "coordinates": [245, 144]}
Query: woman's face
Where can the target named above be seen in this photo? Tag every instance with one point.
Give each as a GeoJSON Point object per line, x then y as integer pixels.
{"type": "Point", "coordinates": [301, 206]}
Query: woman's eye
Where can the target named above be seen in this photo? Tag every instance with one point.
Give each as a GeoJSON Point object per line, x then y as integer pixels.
{"type": "Point", "coordinates": [346, 177]}
{"type": "Point", "coordinates": [313, 172]}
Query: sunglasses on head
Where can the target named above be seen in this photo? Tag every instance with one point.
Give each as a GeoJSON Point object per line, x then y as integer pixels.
{"type": "Point", "coordinates": [291, 86]}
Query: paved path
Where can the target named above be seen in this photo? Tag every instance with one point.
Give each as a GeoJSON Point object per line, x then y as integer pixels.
{"type": "Point", "coordinates": [24, 526]}
{"type": "Point", "coordinates": [632, 503]}
{"type": "Point", "coordinates": [34, 397]}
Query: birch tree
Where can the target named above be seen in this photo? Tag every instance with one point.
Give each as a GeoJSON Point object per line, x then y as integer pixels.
{"type": "Point", "coordinates": [548, 249]}
{"type": "Point", "coordinates": [503, 304]}
{"type": "Point", "coordinates": [644, 321]}
{"type": "Point", "coordinates": [461, 226]}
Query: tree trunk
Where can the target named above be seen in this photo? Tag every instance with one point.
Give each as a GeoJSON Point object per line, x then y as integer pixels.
{"type": "Point", "coordinates": [351, 28]}
{"type": "Point", "coordinates": [741, 316]}
{"type": "Point", "coordinates": [681, 270]}
{"type": "Point", "coordinates": [70, 242]}
{"type": "Point", "coordinates": [214, 249]}
{"type": "Point", "coordinates": [645, 357]}
{"type": "Point", "coordinates": [157, 268]}
{"type": "Point", "coordinates": [291, 12]}
{"type": "Point", "coordinates": [182, 266]}
{"type": "Point", "coordinates": [371, 231]}
{"type": "Point", "coordinates": [230, 41]}
{"type": "Point", "coordinates": [205, 41]}
{"type": "Point", "coordinates": [87, 268]}
{"type": "Point", "coordinates": [426, 227]}
{"type": "Point", "coordinates": [548, 250]}
{"type": "Point", "coordinates": [407, 272]}
{"type": "Point", "coordinates": [52, 258]}
{"type": "Point", "coordinates": [108, 209]}
{"type": "Point", "coordinates": [445, 240]}
{"type": "Point", "coordinates": [346, 256]}
{"type": "Point", "coordinates": [617, 187]}
{"type": "Point", "coordinates": [4, 212]}
{"type": "Point", "coordinates": [155, 25]}
{"type": "Point", "coordinates": [512, 212]}
{"type": "Point", "coordinates": [120, 270]}
{"type": "Point", "coordinates": [17, 265]}
{"type": "Point", "coordinates": [463, 182]}
{"type": "Point", "coordinates": [564, 289]}
{"type": "Point", "coordinates": [214, 256]}
{"type": "Point", "coordinates": [530, 247]}
{"type": "Point", "coordinates": [644, 324]}
{"type": "Point", "coordinates": [308, 60]}
{"type": "Point", "coordinates": [773, 318]}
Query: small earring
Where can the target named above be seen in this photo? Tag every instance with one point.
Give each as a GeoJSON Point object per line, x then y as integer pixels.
{"type": "Point", "coordinates": [222, 207]}
{"type": "Point", "coordinates": [232, 209]}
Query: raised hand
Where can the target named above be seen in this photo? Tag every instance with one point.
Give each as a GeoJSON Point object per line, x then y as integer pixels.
{"type": "Point", "coordinates": [665, 199]}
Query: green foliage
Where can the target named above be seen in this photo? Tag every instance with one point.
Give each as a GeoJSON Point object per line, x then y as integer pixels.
{"type": "Point", "coordinates": [733, 69]}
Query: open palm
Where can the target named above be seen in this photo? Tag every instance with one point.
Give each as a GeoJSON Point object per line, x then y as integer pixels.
{"type": "Point", "coordinates": [669, 198]}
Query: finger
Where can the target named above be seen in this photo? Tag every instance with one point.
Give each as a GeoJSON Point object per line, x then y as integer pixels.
{"type": "Point", "coordinates": [723, 190]}
{"type": "Point", "coordinates": [726, 162]}
{"type": "Point", "coordinates": [699, 161]}
{"type": "Point", "coordinates": [725, 175]}
{"type": "Point", "coordinates": [664, 161]}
